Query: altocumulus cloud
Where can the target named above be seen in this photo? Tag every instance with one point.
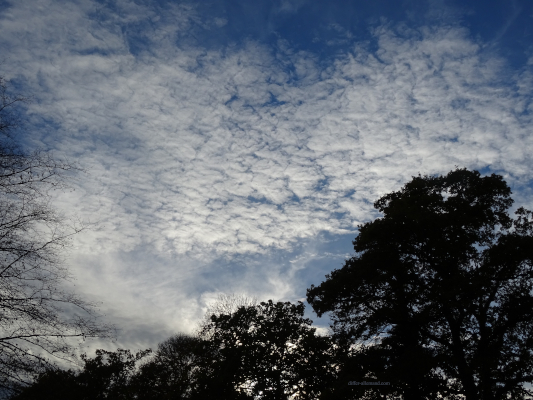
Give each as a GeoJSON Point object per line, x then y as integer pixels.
{"type": "Point", "coordinates": [211, 168]}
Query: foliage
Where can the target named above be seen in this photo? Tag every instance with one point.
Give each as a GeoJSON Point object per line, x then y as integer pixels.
{"type": "Point", "coordinates": [106, 376]}
{"type": "Point", "coordinates": [438, 298]}
{"type": "Point", "coordinates": [270, 351]}
{"type": "Point", "coordinates": [178, 370]}
{"type": "Point", "coordinates": [224, 304]}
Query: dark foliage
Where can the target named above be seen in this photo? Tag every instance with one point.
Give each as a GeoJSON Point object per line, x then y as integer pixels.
{"type": "Point", "coordinates": [180, 369]}
{"type": "Point", "coordinates": [107, 376]}
{"type": "Point", "coordinates": [271, 351]}
{"type": "Point", "coordinates": [438, 298]}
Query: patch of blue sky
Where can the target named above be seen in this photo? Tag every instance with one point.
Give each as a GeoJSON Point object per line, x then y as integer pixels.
{"type": "Point", "coordinates": [459, 103]}
{"type": "Point", "coordinates": [305, 263]}
{"type": "Point", "coordinates": [273, 102]}
{"type": "Point", "coordinates": [280, 275]}
{"type": "Point", "coordinates": [258, 200]}
{"type": "Point", "coordinates": [328, 28]}
{"type": "Point", "coordinates": [321, 184]}
{"type": "Point", "coordinates": [320, 26]}
{"type": "Point", "coordinates": [504, 26]}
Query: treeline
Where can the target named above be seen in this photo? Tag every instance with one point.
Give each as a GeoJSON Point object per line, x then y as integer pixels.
{"type": "Point", "coordinates": [267, 351]}
{"type": "Point", "coordinates": [437, 302]}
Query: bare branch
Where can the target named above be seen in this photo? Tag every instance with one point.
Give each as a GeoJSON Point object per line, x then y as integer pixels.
{"type": "Point", "coordinates": [38, 317]}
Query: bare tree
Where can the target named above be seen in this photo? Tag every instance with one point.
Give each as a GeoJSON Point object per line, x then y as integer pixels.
{"type": "Point", "coordinates": [39, 318]}
{"type": "Point", "coordinates": [224, 304]}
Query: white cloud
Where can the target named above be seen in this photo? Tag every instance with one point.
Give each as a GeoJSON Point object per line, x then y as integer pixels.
{"type": "Point", "coordinates": [290, 6]}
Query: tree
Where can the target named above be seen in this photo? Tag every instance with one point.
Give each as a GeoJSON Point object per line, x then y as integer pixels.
{"type": "Point", "coordinates": [107, 376]}
{"type": "Point", "coordinates": [270, 351]}
{"type": "Point", "coordinates": [224, 304]}
{"type": "Point", "coordinates": [38, 317]}
{"type": "Point", "coordinates": [438, 297]}
{"type": "Point", "coordinates": [178, 370]}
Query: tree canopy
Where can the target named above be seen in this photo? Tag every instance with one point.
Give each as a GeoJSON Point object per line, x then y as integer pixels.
{"type": "Point", "coordinates": [266, 351]}
{"type": "Point", "coordinates": [438, 298]}
{"type": "Point", "coordinates": [270, 351]}
{"type": "Point", "coordinates": [107, 376]}
{"type": "Point", "coordinates": [181, 368]}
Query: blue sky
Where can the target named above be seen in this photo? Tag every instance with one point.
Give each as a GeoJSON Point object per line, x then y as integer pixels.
{"type": "Point", "coordinates": [234, 146]}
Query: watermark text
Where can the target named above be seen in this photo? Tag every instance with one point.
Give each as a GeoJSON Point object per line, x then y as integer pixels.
{"type": "Point", "coordinates": [368, 383]}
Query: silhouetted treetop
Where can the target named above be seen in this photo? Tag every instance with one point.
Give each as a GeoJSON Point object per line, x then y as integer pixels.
{"type": "Point", "coordinates": [438, 296]}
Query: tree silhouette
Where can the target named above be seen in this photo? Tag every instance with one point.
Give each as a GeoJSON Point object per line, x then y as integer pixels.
{"type": "Point", "coordinates": [107, 376]}
{"type": "Point", "coordinates": [38, 318]}
{"type": "Point", "coordinates": [270, 351]}
{"type": "Point", "coordinates": [180, 369]}
{"type": "Point", "coordinates": [438, 298]}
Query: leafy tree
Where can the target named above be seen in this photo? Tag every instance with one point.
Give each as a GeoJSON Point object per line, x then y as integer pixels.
{"type": "Point", "coordinates": [438, 297]}
{"type": "Point", "coordinates": [105, 377]}
{"type": "Point", "coordinates": [224, 304]}
{"type": "Point", "coordinates": [38, 318]}
{"type": "Point", "coordinates": [52, 384]}
{"type": "Point", "coordinates": [178, 370]}
{"type": "Point", "coordinates": [270, 351]}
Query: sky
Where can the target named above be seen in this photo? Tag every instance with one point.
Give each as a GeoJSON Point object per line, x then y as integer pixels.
{"type": "Point", "coordinates": [234, 146]}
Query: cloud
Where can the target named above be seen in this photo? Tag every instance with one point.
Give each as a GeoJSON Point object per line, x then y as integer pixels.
{"type": "Point", "coordinates": [202, 158]}
{"type": "Point", "coordinates": [291, 6]}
